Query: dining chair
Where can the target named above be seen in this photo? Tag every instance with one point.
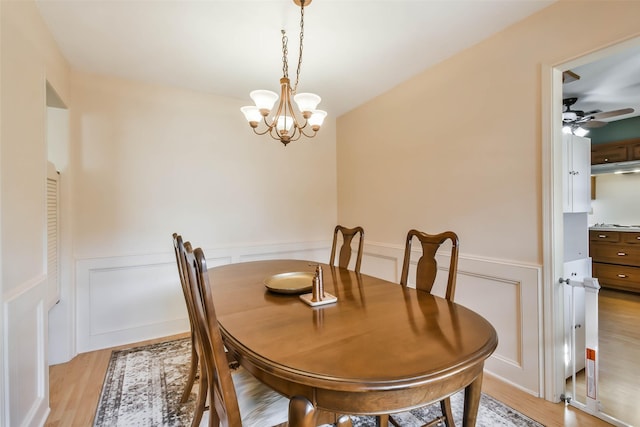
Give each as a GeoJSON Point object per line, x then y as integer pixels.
{"type": "Point", "coordinates": [344, 255]}
{"type": "Point", "coordinates": [236, 398]}
{"type": "Point", "coordinates": [426, 271]}
{"type": "Point", "coordinates": [178, 247]}
{"type": "Point", "coordinates": [201, 398]}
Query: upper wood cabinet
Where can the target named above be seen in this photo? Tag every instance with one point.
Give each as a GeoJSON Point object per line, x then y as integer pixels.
{"type": "Point", "coordinates": [634, 150]}
{"type": "Point", "coordinates": [618, 151]}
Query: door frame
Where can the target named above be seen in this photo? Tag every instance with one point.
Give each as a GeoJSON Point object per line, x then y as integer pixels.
{"type": "Point", "coordinates": [552, 212]}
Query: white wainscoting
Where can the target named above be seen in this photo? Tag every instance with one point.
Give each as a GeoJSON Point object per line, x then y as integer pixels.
{"type": "Point", "coordinates": [128, 299]}
{"type": "Point", "coordinates": [27, 392]}
{"type": "Point", "coordinates": [505, 293]}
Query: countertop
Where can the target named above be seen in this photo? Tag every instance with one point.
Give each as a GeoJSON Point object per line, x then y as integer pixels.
{"type": "Point", "coordinates": [615, 227]}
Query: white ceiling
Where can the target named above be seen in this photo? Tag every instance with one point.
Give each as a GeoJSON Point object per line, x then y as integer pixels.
{"type": "Point", "coordinates": [608, 84]}
{"type": "Point", "coordinates": [354, 50]}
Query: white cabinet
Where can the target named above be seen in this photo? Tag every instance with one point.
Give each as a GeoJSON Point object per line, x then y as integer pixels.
{"type": "Point", "coordinates": [576, 236]}
{"type": "Point", "coordinates": [576, 181]}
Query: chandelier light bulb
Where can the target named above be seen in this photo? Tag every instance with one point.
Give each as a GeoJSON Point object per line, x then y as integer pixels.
{"type": "Point", "coordinates": [284, 124]}
{"type": "Point", "coordinates": [307, 102]}
{"type": "Point", "coordinates": [316, 119]}
{"type": "Point", "coordinates": [252, 114]}
{"type": "Point", "coordinates": [264, 100]}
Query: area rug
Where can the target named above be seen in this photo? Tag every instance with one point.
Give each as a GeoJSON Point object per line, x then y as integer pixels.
{"type": "Point", "coordinates": [143, 385]}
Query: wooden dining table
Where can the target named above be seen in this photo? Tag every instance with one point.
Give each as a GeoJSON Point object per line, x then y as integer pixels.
{"type": "Point", "coordinates": [381, 348]}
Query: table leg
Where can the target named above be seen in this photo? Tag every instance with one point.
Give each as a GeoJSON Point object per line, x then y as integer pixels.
{"type": "Point", "coordinates": [302, 413]}
{"type": "Point", "coordinates": [382, 420]}
{"type": "Point", "coordinates": [472, 401]}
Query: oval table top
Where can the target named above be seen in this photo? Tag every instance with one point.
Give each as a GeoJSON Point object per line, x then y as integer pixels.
{"type": "Point", "coordinates": [378, 336]}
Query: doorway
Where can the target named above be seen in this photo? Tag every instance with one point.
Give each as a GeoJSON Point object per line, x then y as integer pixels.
{"type": "Point", "coordinates": [61, 321]}
{"type": "Point", "coordinates": [554, 246]}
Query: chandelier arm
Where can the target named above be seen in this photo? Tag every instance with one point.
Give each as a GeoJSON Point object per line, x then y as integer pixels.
{"type": "Point", "coordinates": [255, 130]}
{"type": "Point", "coordinates": [277, 138]}
{"type": "Point", "coordinates": [292, 114]}
{"type": "Point", "coordinates": [302, 132]}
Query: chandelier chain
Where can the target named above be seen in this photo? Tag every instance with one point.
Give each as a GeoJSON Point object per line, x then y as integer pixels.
{"type": "Point", "coordinates": [285, 53]}
{"type": "Point", "coordinates": [295, 87]}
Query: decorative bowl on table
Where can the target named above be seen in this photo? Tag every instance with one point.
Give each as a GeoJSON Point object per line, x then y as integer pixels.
{"type": "Point", "coordinates": [296, 282]}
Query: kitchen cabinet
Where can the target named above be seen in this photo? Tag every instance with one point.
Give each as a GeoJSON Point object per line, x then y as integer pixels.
{"type": "Point", "coordinates": [614, 152]}
{"type": "Point", "coordinates": [616, 258]}
{"type": "Point", "coordinates": [576, 173]}
{"type": "Point", "coordinates": [634, 151]}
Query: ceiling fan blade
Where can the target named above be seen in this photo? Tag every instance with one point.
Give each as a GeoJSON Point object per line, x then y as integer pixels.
{"type": "Point", "coordinates": [569, 76]}
{"type": "Point", "coordinates": [613, 113]}
{"type": "Point", "coordinates": [591, 124]}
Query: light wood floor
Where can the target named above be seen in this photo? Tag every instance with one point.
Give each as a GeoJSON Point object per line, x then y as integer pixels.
{"type": "Point", "coordinates": [619, 356]}
{"type": "Point", "coordinates": [75, 389]}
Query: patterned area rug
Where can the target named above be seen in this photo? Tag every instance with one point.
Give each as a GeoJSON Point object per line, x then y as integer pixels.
{"type": "Point", "coordinates": [143, 385]}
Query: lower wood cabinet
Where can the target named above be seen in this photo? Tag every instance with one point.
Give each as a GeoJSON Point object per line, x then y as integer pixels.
{"type": "Point", "coordinates": [616, 259]}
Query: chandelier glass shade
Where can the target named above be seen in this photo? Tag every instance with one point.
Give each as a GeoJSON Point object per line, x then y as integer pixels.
{"type": "Point", "coordinates": [285, 124]}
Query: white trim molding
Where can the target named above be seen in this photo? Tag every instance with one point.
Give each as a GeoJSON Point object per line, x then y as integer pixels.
{"type": "Point", "coordinates": [126, 299]}
{"type": "Point", "coordinates": [24, 352]}
{"type": "Point", "coordinates": [132, 298]}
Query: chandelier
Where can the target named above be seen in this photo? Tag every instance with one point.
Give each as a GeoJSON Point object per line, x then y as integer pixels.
{"type": "Point", "coordinates": [285, 125]}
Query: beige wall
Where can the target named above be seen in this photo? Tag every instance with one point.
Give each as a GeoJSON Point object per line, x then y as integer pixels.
{"type": "Point", "coordinates": [29, 57]}
{"type": "Point", "coordinates": [152, 160]}
{"type": "Point", "coordinates": [459, 146]}
{"type": "Point", "coordinates": [617, 199]}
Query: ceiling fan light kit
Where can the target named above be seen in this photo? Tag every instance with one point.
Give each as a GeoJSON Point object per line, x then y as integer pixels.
{"type": "Point", "coordinates": [284, 125]}
{"type": "Point", "coordinates": [579, 122]}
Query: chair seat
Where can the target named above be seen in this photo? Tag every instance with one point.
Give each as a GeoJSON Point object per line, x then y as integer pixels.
{"type": "Point", "coordinates": [260, 406]}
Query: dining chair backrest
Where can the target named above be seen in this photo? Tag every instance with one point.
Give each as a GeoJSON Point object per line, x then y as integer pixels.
{"type": "Point", "coordinates": [427, 266]}
{"type": "Point", "coordinates": [178, 247]}
{"type": "Point", "coordinates": [344, 255]}
{"type": "Point", "coordinates": [223, 401]}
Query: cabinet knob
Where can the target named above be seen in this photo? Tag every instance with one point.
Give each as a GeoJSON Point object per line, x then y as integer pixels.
{"type": "Point", "coordinates": [622, 276]}
{"type": "Point", "coordinates": [602, 236]}
{"type": "Point", "coordinates": [622, 254]}
{"type": "Point", "coordinates": [606, 160]}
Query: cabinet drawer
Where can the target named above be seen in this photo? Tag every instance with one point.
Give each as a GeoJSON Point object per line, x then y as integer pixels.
{"type": "Point", "coordinates": [635, 152]}
{"type": "Point", "coordinates": [616, 254]}
{"type": "Point", "coordinates": [617, 276]}
{"type": "Point", "coordinates": [631, 237]}
{"type": "Point", "coordinates": [604, 236]}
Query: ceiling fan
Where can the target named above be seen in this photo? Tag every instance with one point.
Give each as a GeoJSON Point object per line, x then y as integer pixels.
{"type": "Point", "coordinates": [589, 119]}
